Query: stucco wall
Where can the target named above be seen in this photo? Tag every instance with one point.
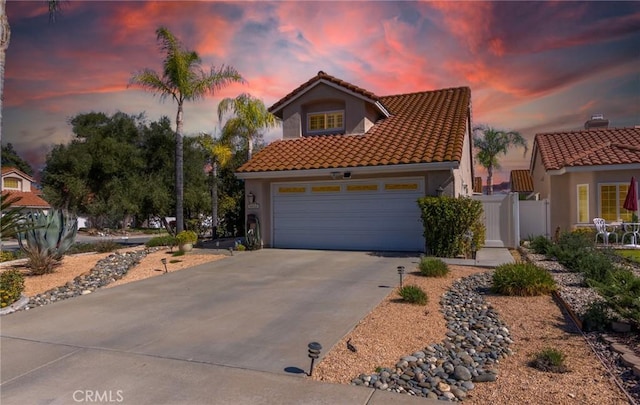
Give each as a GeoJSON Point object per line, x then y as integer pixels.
{"type": "Point", "coordinates": [357, 117]}
{"type": "Point", "coordinates": [564, 199]}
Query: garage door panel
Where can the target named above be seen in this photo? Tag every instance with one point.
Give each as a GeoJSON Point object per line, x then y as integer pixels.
{"type": "Point", "coordinates": [348, 220]}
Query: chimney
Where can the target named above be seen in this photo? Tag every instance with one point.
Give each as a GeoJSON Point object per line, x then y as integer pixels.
{"type": "Point", "coordinates": [597, 121]}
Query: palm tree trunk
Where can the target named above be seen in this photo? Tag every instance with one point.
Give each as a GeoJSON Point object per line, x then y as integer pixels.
{"type": "Point", "coordinates": [214, 200]}
{"type": "Point", "coordinates": [250, 146]}
{"type": "Point", "coordinates": [179, 173]}
{"type": "Point", "coordinates": [5, 34]}
{"type": "Point", "coordinates": [490, 180]}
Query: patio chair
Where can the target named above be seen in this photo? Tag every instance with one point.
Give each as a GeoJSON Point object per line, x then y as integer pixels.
{"type": "Point", "coordinates": [634, 231]}
{"type": "Point", "coordinates": [601, 229]}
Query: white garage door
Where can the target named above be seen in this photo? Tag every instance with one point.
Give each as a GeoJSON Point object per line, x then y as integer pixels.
{"type": "Point", "coordinates": [380, 215]}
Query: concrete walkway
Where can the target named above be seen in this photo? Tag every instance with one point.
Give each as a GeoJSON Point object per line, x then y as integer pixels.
{"type": "Point", "coordinates": [231, 331]}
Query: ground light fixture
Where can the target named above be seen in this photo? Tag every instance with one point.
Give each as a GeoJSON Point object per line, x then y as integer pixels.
{"type": "Point", "coordinates": [314, 353]}
{"type": "Point", "coordinates": [401, 273]}
{"type": "Point", "coordinates": [164, 263]}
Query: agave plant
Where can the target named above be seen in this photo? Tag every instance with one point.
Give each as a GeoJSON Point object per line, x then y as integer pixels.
{"type": "Point", "coordinates": [50, 236]}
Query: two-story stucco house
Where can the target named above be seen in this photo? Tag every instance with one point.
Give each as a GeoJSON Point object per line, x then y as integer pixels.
{"type": "Point", "coordinates": [18, 184]}
{"type": "Point", "coordinates": [351, 166]}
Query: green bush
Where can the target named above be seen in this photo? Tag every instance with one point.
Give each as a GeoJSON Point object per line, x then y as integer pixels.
{"type": "Point", "coordinates": [541, 245]}
{"type": "Point", "coordinates": [597, 317]}
{"type": "Point", "coordinates": [447, 221]}
{"type": "Point", "coordinates": [178, 253]}
{"type": "Point", "coordinates": [570, 247]}
{"type": "Point", "coordinates": [240, 247]}
{"type": "Point", "coordinates": [595, 266]}
{"type": "Point", "coordinates": [433, 267]}
{"type": "Point", "coordinates": [522, 279]}
{"type": "Point", "coordinates": [7, 256]}
{"type": "Point", "coordinates": [413, 294]}
{"type": "Point", "coordinates": [550, 360]}
{"type": "Point", "coordinates": [621, 292]}
{"type": "Point", "coordinates": [186, 237]}
{"type": "Point", "coordinates": [11, 287]}
{"type": "Point", "coordinates": [164, 240]}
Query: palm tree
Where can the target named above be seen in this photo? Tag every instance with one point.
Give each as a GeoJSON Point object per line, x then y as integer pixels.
{"type": "Point", "coordinates": [182, 79]}
{"type": "Point", "coordinates": [250, 117]}
{"type": "Point", "coordinates": [5, 36]}
{"type": "Point", "coordinates": [491, 142]}
{"type": "Point", "coordinates": [220, 154]}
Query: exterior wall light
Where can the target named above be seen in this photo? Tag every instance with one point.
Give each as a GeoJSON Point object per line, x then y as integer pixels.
{"type": "Point", "coordinates": [251, 198]}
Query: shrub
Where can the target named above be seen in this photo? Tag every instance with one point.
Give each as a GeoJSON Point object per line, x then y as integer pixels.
{"type": "Point", "coordinates": [240, 247]}
{"type": "Point", "coordinates": [7, 256]}
{"type": "Point", "coordinates": [164, 240]}
{"type": "Point", "coordinates": [433, 267]}
{"type": "Point", "coordinates": [621, 292]}
{"type": "Point", "coordinates": [178, 253]}
{"type": "Point", "coordinates": [595, 266]}
{"type": "Point", "coordinates": [413, 294]}
{"type": "Point", "coordinates": [550, 360]}
{"type": "Point", "coordinates": [541, 245]}
{"type": "Point", "coordinates": [11, 287]}
{"type": "Point", "coordinates": [570, 247]}
{"type": "Point", "coordinates": [186, 237]}
{"type": "Point", "coordinates": [597, 317]}
{"type": "Point", "coordinates": [522, 279]}
{"type": "Point", "coordinates": [447, 221]}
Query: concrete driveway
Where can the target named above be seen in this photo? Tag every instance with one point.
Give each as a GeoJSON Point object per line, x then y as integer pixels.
{"type": "Point", "coordinates": [253, 312]}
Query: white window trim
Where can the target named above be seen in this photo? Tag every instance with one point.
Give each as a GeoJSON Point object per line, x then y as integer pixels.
{"type": "Point", "coordinates": [315, 131]}
{"type": "Point", "coordinates": [578, 203]}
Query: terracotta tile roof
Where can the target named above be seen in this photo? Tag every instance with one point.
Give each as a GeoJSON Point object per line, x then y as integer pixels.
{"type": "Point", "coordinates": [322, 76]}
{"type": "Point", "coordinates": [477, 185]}
{"type": "Point", "coordinates": [27, 199]}
{"type": "Point", "coordinates": [521, 181]}
{"type": "Point", "coordinates": [424, 127]}
{"type": "Point", "coordinates": [589, 147]}
{"type": "Point", "coordinates": [7, 170]}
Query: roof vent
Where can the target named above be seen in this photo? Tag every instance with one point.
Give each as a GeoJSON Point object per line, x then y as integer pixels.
{"type": "Point", "coordinates": [597, 121]}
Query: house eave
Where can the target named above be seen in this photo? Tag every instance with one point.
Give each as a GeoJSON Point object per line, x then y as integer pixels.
{"type": "Point", "coordinates": [582, 169]}
{"type": "Point", "coordinates": [335, 86]}
{"type": "Point", "coordinates": [401, 168]}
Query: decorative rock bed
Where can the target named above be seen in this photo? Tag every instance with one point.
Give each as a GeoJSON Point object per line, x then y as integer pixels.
{"type": "Point", "coordinates": [475, 341]}
{"type": "Point", "coordinates": [106, 271]}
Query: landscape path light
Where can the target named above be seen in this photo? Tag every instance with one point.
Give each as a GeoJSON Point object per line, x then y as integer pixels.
{"type": "Point", "coordinates": [314, 353]}
{"type": "Point", "coordinates": [164, 262]}
{"type": "Point", "coordinates": [401, 273]}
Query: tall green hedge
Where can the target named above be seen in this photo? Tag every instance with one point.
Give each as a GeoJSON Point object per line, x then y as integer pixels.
{"type": "Point", "coordinates": [447, 220]}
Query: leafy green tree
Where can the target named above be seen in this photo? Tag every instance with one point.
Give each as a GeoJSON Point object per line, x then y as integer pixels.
{"type": "Point", "coordinates": [490, 143]}
{"type": "Point", "coordinates": [10, 158]}
{"type": "Point", "coordinates": [220, 153]}
{"type": "Point", "coordinates": [182, 79]}
{"type": "Point", "coordinates": [249, 118]}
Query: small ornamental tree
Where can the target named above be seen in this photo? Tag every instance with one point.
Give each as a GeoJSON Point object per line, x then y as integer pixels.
{"type": "Point", "coordinates": [452, 226]}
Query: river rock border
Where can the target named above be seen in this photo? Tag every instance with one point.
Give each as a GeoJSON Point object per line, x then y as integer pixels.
{"type": "Point", "coordinates": [106, 271]}
{"type": "Point", "coordinates": [475, 341]}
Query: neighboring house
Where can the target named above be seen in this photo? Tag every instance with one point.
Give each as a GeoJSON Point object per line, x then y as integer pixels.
{"type": "Point", "coordinates": [585, 174]}
{"type": "Point", "coordinates": [351, 166]}
{"type": "Point", "coordinates": [521, 182]}
{"type": "Point", "coordinates": [18, 184]}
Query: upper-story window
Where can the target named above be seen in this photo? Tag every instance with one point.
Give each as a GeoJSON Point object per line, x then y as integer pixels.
{"type": "Point", "coordinates": [325, 121]}
{"type": "Point", "coordinates": [11, 183]}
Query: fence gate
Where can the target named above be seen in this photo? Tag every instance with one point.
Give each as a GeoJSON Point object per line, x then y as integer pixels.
{"type": "Point", "coordinates": [501, 219]}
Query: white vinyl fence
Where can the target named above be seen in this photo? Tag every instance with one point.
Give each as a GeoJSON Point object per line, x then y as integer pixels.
{"type": "Point", "coordinates": [508, 220]}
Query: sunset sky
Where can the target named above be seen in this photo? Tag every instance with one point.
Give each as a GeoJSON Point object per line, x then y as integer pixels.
{"type": "Point", "coordinates": [531, 66]}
